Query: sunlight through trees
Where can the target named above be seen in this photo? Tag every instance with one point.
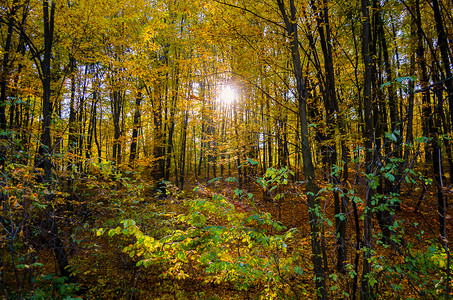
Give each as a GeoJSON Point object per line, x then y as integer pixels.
{"type": "Point", "coordinates": [224, 149]}
{"type": "Point", "coordinates": [228, 95]}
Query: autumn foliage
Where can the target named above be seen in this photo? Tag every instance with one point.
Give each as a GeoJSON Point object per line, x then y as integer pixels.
{"type": "Point", "coordinates": [276, 149]}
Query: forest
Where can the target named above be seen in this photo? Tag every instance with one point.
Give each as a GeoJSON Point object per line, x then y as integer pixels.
{"type": "Point", "coordinates": [226, 149]}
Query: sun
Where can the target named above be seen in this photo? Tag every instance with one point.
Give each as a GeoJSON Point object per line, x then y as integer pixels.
{"type": "Point", "coordinates": [227, 95]}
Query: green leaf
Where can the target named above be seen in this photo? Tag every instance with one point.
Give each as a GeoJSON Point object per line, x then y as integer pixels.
{"type": "Point", "coordinates": [389, 177]}
{"type": "Point", "coordinates": [181, 255]}
{"type": "Point", "coordinates": [298, 270]}
{"type": "Point", "coordinates": [231, 179]}
{"type": "Point", "coordinates": [385, 85]}
{"type": "Point", "coordinates": [128, 223]}
{"type": "Point", "coordinates": [252, 162]}
{"type": "Point", "coordinates": [340, 216]}
{"type": "Point", "coordinates": [214, 179]}
{"type": "Point", "coordinates": [391, 136]}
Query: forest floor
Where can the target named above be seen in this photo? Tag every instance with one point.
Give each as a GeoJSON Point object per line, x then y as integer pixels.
{"type": "Point", "coordinates": [104, 271]}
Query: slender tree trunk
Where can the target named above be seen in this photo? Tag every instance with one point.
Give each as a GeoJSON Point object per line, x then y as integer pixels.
{"type": "Point", "coordinates": [158, 169]}
{"type": "Point", "coordinates": [333, 120]}
{"type": "Point", "coordinates": [5, 68]}
{"type": "Point", "coordinates": [446, 131]}
{"type": "Point", "coordinates": [82, 122]}
{"type": "Point", "coordinates": [183, 150]}
{"type": "Point", "coordinates": [437, 160]}
{"type": "Point", "coordinates": [410, 108]}
{"type": "Point", "coordinates": [96, 139]}
{"type": "Point", "coordinates": [444, 51]}
{"type": "Point", "coordinates": [203, 133]}
{"type": "Point", "coordinates": [223, 138]}
{"type": "Point", "coordinates": [426, 100]}
{"type": "Point", "coordinates": [117, 107]}
{"type": "Point", "coordinates": [238, 146]}
{"type": "Point", "coordinates": [309, 172]}
{"type": "Point", "coordinates": [171, 127]}
{"type": "Point", "coordinates": [91, 127]}
{"type": "Point", "coordinates": [72, 131]}
{"type": "Point", "coordinates": [17, 118]}
{"type": "Point", "coordinates": [269, 134]}
{"type": "Point", "coordinates": [194, 145]}
{"type": "Point", "coordinates": [381, 115]}
{"type": "Point", "coordinates": [367, 292]}
{"type": "Point", "coordinates": [136, 125]}
{"type": "Point", "coordinates": [46, 141]}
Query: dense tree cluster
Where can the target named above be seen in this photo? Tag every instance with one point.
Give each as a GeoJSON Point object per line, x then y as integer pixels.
{"type": "Point", "coordinates": [354, 97]}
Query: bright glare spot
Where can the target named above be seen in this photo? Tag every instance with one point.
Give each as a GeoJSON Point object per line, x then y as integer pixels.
{"type": "Point", "coordinates": [227, 95]}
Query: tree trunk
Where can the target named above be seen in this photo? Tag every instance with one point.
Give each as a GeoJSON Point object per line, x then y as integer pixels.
{"type": "Point", "coordinates": [5, 68]}
{"type": "Point", "coordinates": [381, 114]}
{"type": "Point", "coordinates": [309, 172]}
{"type": "Point", "coordinates": [410, 108]}
{"type": "Point", "coordinates": [444, 49]}
{"type": "Point", "coordinates": [171, 127]}
{"type": "Point", "coordinates": [437, 161]}
{"type": "Point", "coordinates": [158, 169]}
{"type": "Point", "coordinates": [117, 107]}
{"type": "Point", "coordinates": [238, 146]}
{"type": "Point", "coordinates": [72, 131]}
{"type": "Point", "coordinates": [91, 127]}
{"type": "Point", "coordinates": [183, 150]}
{"type": "Point", "coordinates": [136, 125]}
{"type": "Point", "coordinates": [333, 120]}
{"type": "Point", "coordinates": [367, 292]}
{"type": "Point", "coordinates": [269, 135]}
{"type": "Point", "coordinates": [203, 133]}
{"type": "Point", "coordinates": [45, 152]}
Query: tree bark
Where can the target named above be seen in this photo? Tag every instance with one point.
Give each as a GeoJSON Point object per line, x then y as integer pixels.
{"type": "Point", "coordinates": [136, 125]}
{"type": "Point", "coordinates": [5, 68]}
{"type": "Point", "coordinates": [444, 52]}
{"type": "Point", "coordinates": [117, 107]}
{"type": "Point", "coordinates": [182, 159]}
{"type": "Point", "coordinates": [367, 292]}
{"type": "Point", "coordinates": [45, 152]}
{"type": "Point", "coordinates": [333, 120]}
{"type": "Point", "coordinates": [158, 169]}
{"type": "Point", "coordinates": [309, 172]}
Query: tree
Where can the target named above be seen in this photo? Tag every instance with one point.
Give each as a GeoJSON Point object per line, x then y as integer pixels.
{"type": "Point", "coordinates": [290, 22]}
{"type": "Point", "coordinates": [369, 137]}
